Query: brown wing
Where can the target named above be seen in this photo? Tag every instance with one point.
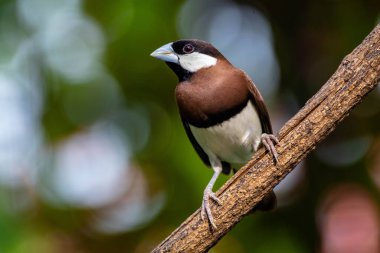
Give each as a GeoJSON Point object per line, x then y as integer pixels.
{"type": "Point", "coordinates": [270, 201]}
{"type": "Point", "coordinates": [259, 104]}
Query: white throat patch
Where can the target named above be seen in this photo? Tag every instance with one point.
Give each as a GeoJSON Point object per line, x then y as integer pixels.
{"type": "Point", "coordinates": [196, 61]}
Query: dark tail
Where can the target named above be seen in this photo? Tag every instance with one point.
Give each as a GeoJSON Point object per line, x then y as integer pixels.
{"type": "Point", "coordinates": [268, 203]}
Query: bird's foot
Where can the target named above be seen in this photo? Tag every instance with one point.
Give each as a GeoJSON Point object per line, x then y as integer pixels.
{"type": "Point", "coordinates": [269, 141]}
{"type": "Point", "coordinates": [205, 210]}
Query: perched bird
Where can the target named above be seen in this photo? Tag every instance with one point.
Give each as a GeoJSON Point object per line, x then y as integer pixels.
{"type": "Point", "coordinates": [221, 109]}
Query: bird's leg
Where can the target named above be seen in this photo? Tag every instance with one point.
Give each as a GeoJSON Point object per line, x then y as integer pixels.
{"type": "Point", "coordinates": [269, 141]}
{"type": "Point", "coordinates": [209, 194]}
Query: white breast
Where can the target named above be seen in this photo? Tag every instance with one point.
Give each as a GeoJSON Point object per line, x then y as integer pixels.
{"type": "Point", "coordinates": [234, 140]}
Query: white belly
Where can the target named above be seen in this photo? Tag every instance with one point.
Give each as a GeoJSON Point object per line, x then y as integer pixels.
{"type": "Point", "coordinates": [234, 140]}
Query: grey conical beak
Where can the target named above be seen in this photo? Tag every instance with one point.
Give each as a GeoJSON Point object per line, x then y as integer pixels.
{"type": "Point", "coordinates": [165, 53]}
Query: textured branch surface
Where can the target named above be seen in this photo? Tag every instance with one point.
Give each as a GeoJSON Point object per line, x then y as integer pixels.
{"type": "Point", "coordinates": [356, 76]}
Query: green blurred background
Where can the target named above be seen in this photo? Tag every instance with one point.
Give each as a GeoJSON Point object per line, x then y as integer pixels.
{"type": "Point", "coordinates": [93, 157]}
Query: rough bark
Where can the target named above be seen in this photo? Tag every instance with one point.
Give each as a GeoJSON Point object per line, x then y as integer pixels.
{"type": "Point", "coordinates": [357, 75]}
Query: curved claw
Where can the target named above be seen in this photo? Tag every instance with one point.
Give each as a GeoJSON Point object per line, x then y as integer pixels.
{"type": "Point", "coordinates": [205, 210]}
{"type": "Point", "coordinates": [269, 141]}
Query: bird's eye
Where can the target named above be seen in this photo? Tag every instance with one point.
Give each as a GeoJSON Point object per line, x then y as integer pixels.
{"type": "Point", "coordinates": [188, 48]}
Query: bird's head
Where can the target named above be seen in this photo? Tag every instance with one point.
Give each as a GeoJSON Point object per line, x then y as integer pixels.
{"type": "Point", "coordinates": [186, 57]}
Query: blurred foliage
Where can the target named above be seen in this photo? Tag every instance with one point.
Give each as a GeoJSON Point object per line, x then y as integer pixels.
{"type": "Point", "coordinates": [93, 154]}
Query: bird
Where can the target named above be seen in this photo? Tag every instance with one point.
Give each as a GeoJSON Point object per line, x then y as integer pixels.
{"type": "Point", "coordinates": [222, 111]}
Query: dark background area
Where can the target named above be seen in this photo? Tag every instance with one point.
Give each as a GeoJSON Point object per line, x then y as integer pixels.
{"type": "Point", "coordinates": [93, 156]}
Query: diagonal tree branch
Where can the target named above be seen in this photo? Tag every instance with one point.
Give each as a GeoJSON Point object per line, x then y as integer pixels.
{"type": "Point", "coordinates": [357, 75]}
